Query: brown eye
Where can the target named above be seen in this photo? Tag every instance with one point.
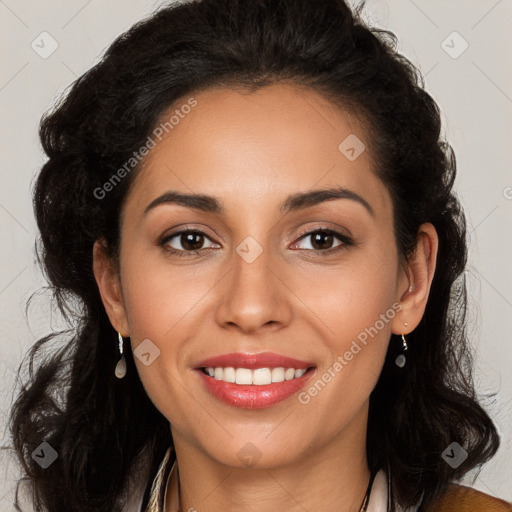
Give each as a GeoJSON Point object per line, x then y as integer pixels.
{"type": "Point", "coordinates": [322, 240]}
{"type": "Point", "coordinates": [186, 242]}
{"type": "Point", "coordinates": [191, 241]}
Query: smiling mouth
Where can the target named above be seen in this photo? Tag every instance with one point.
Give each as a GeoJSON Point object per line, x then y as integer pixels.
{"type": "Point", "coordinates": [254, 377]}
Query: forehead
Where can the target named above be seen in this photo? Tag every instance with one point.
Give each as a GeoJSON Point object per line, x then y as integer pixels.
{"type": "Point", "coordinates": [254, 147]}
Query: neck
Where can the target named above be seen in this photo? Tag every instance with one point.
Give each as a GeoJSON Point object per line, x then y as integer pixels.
{"type": "Point", "coordinates": [332, 477]}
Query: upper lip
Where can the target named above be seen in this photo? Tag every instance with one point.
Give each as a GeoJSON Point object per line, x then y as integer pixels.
{"type": "Point", "coordinates": [253, 361]}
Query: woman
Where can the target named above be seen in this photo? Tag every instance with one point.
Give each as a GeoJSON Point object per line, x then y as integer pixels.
{"type": "Point", "coordinates": [253, 206]}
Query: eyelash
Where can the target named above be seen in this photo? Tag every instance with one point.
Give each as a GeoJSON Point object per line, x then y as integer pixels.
{"type": "Point", "coordinates": [346, 242]}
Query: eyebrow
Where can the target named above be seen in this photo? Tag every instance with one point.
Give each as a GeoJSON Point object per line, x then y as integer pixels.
{"type": "Point", "coordinates": [293, 203]}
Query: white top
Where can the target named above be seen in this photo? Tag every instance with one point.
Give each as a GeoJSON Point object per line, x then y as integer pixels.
{"type": "Point", "coordinates": [378, 497]}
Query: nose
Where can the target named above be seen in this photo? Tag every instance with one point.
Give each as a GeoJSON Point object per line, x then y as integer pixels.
{"type": "Point", "coordinates": [255, 294]}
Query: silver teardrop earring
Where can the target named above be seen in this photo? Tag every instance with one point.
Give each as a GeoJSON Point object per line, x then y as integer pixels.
{"type": "Point", "coordinates": [401, 359]}
{"type": "Point", "coordinates": [120, 370]}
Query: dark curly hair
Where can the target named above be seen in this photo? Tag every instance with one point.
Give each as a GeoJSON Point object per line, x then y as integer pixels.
{"type": "Point", "coordinates": [107, 431]}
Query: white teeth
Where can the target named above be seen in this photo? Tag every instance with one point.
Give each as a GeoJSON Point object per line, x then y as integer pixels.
{"type": "Point", "coordinates": [262, 376]}
{"type": "Point", "coordinates": [289, 374]}
{"type": "Point", "coordinates": [229, 375]}
{"type": "Point", "coordinates": [243, 376]}
{"type": "Point", "coordinates": [258, 377]}
{"type": "Point", "coordinates": [277, 374]}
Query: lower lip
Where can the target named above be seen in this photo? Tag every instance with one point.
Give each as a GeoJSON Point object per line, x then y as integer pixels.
{"type": "Point", "coordinates": [253, 396]}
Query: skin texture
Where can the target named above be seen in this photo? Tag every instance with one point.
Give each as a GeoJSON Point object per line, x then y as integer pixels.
{"type": "Point", "coordinates": [252, 150]}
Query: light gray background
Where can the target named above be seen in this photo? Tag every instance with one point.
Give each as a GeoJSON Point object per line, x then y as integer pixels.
{"type": "Point", "coordinates": [474, 92]}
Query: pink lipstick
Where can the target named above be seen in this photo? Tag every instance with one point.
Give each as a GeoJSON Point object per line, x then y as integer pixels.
{"type": "Point", "coordinates": [253, 381]}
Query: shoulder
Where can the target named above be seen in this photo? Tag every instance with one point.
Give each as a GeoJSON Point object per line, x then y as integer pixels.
{"type": "Point", "coordinates": [458, 498]}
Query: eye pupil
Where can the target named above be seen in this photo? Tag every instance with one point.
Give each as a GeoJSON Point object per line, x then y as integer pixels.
{"type": "Point", "coordinates": [187, 241]}
{"type": "Point", "coordinates": [320, 237]}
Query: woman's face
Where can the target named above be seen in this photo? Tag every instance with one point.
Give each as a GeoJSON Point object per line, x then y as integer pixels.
{"type": "Point", "coordinates": [267, 274]}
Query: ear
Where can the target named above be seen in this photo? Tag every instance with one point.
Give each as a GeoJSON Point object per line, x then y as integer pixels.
{"type": "Point", "coordinates": [415, 281]}
{"type": "Point", "coordinates": [109, 284]}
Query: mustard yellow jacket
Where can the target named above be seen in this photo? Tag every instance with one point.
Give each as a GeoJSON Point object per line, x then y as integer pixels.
{"type": "Point", "coordinates": [458, 498]}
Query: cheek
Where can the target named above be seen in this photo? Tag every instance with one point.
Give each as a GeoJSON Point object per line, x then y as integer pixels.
{"type": "Point", "coordinates": [350, 298]}
{"type": "Point", "coordinates": [165, 303]}
{"type": "Point", "coordinates": [160, 303]}
{"type": "Point", "coordinates": [352, 309]}
{"type": "Point", "coordinates": [159, 295]}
